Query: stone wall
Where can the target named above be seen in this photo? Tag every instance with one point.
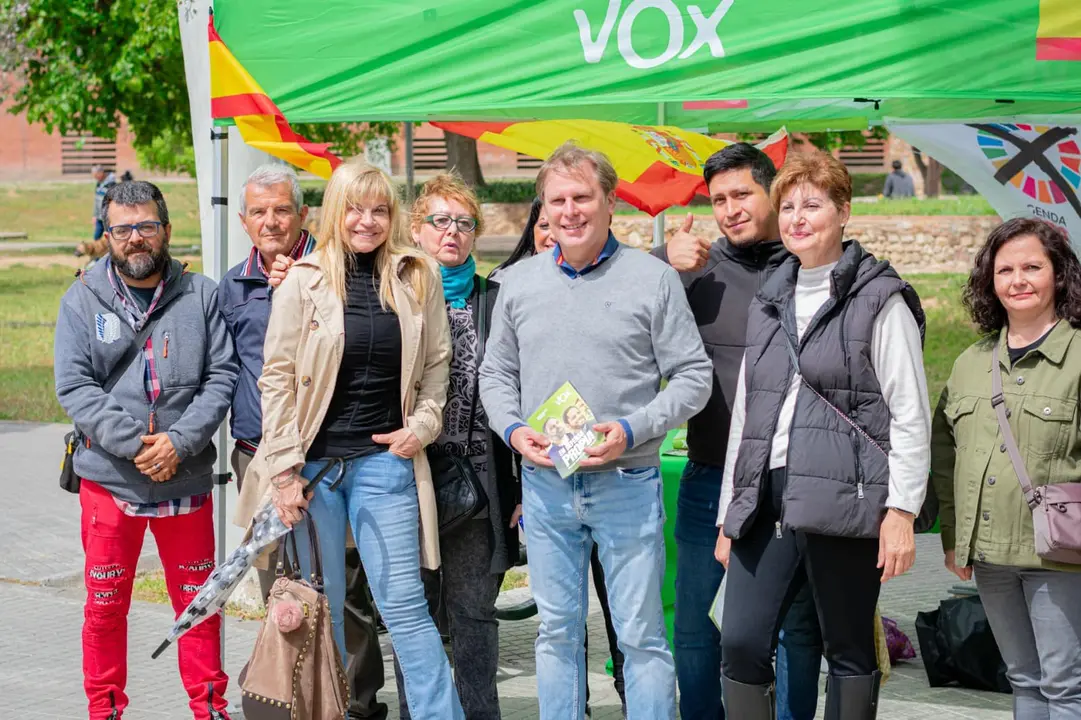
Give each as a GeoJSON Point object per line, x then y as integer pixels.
{"type": "Point", "coordinates": [914, 243]}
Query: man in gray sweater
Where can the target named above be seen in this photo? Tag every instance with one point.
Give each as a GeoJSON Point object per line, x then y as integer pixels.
{"type": "Point", "coordinates": [145, 367]}
{"type": "Point", "coordinates": [615, 322]}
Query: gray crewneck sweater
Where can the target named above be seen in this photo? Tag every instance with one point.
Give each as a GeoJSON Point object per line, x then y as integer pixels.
{"type": "Point", "coordinates": [614, 332]}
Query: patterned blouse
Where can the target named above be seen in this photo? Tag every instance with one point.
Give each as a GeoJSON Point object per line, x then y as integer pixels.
{"type": "Point", "coordinates": [456, 438]}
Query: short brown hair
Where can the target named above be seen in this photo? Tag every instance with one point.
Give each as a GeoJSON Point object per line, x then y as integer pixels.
{"type": "Point", "coordinates": [817, 168]}
{"type": "Point", "coordinates": [570, 156]}
{"type": "Point", "coordinates": [449, 187]}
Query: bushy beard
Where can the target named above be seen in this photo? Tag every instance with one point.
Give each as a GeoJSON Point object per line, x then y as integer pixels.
{"type": "Point", "coordinates": [142, 266]}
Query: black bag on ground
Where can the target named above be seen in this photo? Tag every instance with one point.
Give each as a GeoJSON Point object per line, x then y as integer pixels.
{"type": "Point", "coordinates": [957, 646]}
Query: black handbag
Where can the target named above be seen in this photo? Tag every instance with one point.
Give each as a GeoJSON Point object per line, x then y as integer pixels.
{"type": "Point", "coordinates": [69, 480]}
{"type": "Point", "coordinates": [459, 495]}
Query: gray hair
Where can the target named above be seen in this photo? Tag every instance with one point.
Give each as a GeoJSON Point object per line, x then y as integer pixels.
{"type": "Point", "coordinates": [130, 194]}
{"type": "Point", "coordinates": [95, 169]}
{"type": "Point", "coordinates": [572, 156]}
{"type": "Point", "coordinates": [268, 175]}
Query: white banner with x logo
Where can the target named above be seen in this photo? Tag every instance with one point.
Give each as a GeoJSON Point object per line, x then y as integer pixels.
{"type": "Point", "coordinates": [1024, 170]}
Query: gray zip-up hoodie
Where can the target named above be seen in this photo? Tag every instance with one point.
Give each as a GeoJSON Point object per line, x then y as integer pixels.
{"type": "Point", "coordinates": [195, 362]}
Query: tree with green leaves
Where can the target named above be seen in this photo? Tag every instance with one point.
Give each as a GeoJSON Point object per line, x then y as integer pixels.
{"type": "Point", "coordinates": [83, 65]}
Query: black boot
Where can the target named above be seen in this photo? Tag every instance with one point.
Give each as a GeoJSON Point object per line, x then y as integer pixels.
{"type": "Point", "coordinates": [747, 702]}
{"type": "Point", "coordinates": [852, 698]}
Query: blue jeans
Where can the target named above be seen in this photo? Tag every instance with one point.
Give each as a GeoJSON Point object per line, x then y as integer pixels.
{"type": "Point", "coordinates": [377, 497]}
{"type": "Point", "coordinates": [799, 659]}
{"type": "Point", "coordinates": [698, 575]}
{"type": "Point", "coordinates": [623, 513]}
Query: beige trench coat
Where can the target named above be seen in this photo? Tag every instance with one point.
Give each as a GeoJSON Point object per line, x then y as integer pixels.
{"type": "Point", "coordinates": [302, 353]}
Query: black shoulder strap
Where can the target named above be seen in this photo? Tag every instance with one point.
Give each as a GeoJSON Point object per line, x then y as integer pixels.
{"type": "Point", "coordinates": [480, 315]}
{"type": "Point", "coordinates": [130, 354]}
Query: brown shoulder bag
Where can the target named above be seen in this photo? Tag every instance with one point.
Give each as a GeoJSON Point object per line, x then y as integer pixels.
{"type": "Point", "coordinates": [295, 671]}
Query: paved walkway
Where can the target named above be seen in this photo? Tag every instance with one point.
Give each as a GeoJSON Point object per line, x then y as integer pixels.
{"type": "Point", "coordinates": [41, 615]}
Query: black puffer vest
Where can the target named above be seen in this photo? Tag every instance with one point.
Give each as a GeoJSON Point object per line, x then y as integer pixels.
{"type": "Point", "coordinates": [838, 481]}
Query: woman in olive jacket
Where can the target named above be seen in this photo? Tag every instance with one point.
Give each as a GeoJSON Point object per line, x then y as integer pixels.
{"type": "Point", "coordinates": [1025, 296]}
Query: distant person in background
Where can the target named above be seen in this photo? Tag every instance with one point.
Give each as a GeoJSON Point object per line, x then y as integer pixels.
{"type": "Point", "coordinates": [105, 179]}
{"type": "Point", "coordinates": [99, 246]}
{"type": "Point", "coordinates": [899, 183]}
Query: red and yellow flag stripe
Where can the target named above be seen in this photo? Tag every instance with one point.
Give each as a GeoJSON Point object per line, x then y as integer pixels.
{"type": "Point", "coordinates": [235, 94]}
{"type": "Point", "coordinates": [658, 166]}
{"type": "Point", "coordinates": [1058, 36]}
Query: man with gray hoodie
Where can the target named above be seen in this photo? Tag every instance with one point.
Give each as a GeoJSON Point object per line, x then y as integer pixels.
{"type": "Point", "coordinates": [141, 326]}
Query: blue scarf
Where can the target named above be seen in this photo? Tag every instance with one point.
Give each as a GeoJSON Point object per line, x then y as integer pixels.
{"type": "Point", "coordinates": [458, 282]}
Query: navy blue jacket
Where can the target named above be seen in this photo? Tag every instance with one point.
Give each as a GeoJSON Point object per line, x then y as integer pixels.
{"type": "Point", "coordinates": [244, 299]}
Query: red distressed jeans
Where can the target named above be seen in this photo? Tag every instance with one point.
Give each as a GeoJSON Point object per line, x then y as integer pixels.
{"type": "Point", "coordinates": [112, 542]}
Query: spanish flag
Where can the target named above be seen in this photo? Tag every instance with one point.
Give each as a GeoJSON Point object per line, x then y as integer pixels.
{"type": "Point", "coordinates": [235, 94]}
{"type": "Point", "coordinates": [1058, 36]}
{"type": "Point", "coordinates": [658, 165]}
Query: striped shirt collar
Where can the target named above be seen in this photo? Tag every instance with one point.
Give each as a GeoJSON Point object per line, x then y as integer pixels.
{"type": "Point", "coordinates": [254, 266]}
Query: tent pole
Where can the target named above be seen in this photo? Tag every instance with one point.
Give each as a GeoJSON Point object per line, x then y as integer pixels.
{"type": "Point", "coordinates": [218, 199]}
{"type": "Point", "coordinates": [658, 221]}
{"type": "Point", "coordinates": [409, 179]}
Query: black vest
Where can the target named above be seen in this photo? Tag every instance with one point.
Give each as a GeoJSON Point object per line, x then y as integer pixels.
{"type": "Point", "coordinates": [838, 481]}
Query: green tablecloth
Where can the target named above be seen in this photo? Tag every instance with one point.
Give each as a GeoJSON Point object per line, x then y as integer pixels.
{"type": "Point", "coordinates": [672, 464]}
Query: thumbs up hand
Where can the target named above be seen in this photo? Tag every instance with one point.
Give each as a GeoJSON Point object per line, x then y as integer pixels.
{"type": "Point", "coordinates": [687, 252]}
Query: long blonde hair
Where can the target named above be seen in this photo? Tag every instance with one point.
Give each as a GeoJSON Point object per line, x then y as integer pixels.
{"type": "Point", "coordinates": [351, 183]}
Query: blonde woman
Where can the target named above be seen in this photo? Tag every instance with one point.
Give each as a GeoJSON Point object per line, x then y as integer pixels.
{"type": "Point", "coordinates": [353, 388]}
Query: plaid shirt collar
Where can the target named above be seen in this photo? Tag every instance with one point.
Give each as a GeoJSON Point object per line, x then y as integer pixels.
{"type": "Point", "coordinates": [132, 312]}
{"type": "Point", "coordinates": [304, 245]}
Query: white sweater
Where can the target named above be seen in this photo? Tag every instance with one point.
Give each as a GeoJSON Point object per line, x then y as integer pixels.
{"type": "Point", "coordinates": [897, 359]}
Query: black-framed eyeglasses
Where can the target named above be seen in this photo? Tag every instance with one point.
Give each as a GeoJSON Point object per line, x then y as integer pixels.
{"type": "Point", "coordinates": [146, 229]}
{"type": "Point", "coordinates": [441, 221]}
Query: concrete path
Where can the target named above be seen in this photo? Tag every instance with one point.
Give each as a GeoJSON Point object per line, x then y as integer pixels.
{"type": "Point", "coordinates": [41, 599]}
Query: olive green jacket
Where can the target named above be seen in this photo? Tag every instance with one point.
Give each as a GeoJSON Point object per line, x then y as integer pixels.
{"type": "Point", "coordinates": [983, 512]}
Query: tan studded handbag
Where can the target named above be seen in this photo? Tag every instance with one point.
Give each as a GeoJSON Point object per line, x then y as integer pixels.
{"type": "Point", "coordinates": [295, 671]}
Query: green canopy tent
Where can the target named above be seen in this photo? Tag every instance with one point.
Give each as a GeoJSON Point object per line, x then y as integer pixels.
{"type": "Point", "coordinates": [730, 65]}
{"type": "Point", "coordinates": [714, 65]}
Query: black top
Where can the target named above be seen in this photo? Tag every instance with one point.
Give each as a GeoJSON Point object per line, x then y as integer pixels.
{"type": "Point", "coordinates": [719, 295]}
{"type": "Point", "coordinates": [1018, 353]}
{"type": "Point", "coordinates": [143, 296]}
{"type": "Point", "coordinates": [367, 398]}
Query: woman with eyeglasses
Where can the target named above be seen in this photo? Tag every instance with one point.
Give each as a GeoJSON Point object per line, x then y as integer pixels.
{"type": "Point", "coordinates": [445, 222]}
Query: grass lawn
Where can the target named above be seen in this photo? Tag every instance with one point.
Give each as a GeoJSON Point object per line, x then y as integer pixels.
{"type": "Point", "coordinates": [61, 212]}
{"type": "Point", "coordinates": [30, 298]}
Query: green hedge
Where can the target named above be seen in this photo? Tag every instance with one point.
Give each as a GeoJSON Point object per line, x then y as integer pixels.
{"type": "Point", "coordinates": [523, 191]}
{"type": "Point", "coordinates": [496, 191]}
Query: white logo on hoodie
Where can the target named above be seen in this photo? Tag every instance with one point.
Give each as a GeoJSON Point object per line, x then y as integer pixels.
{"type": "Point", "coordinates": [107, 327]}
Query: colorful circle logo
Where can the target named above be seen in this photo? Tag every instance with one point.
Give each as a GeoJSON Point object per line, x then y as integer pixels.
{"type": "Point", "coordinates": [1031, 180]}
